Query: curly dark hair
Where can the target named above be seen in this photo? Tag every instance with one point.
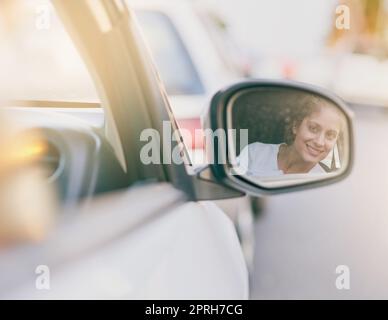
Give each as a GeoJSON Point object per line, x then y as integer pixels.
{"type": "Point", "coordinates": [306, 105]}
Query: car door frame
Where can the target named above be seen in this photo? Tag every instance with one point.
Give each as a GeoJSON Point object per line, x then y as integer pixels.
{"type": "Point", "coordinates": [120, 64]}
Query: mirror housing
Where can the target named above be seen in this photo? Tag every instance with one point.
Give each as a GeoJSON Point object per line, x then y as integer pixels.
{"type": "Point", "coordinates": [279, 99]}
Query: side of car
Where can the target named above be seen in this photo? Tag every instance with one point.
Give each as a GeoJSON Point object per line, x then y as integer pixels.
{"type": "Point", "coordinates": [123, 245]}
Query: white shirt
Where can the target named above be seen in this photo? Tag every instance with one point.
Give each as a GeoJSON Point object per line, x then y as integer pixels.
{"type": "Point", "coordinates": [261, 160]}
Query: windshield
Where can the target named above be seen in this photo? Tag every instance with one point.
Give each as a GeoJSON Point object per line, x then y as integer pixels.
{"type": "Point", "coordinates": [171, 57]}
{"type": "Point", "coordinates": [38, 60]}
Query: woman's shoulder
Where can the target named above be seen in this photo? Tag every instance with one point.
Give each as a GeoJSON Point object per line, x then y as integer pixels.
{"type": "Point", "coordinates": [259, 152]}
{"type": "Point", "coordinates": [259, 158]}
{"type": "Point", "coordinates": [259, 147]}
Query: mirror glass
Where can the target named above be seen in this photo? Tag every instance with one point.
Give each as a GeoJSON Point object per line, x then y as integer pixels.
{"type": "Point", "coordinates": [280, 136]}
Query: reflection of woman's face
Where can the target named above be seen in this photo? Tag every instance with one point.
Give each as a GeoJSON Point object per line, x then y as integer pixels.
{"type": "Point", "coordinates": [317, 134]}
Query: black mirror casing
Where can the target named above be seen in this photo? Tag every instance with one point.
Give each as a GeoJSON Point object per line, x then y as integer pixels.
{"type": "Point", "coordinates": [216, 118]}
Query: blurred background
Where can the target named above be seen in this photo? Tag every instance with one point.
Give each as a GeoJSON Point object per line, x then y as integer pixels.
{"type": "Point", "coordinates": [299, 40]}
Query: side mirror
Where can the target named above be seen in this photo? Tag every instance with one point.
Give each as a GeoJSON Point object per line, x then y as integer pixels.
{"type": "Point", "coordinates": [277, 136]}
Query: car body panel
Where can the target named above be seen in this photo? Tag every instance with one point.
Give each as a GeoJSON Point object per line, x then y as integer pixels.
{"type": "Point", "coordinates": [164, 249]}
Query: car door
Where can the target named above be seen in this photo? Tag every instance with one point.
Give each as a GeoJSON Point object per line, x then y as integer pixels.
{"type": "Point", "coordinates": [124, 246]}
{"type": "Point", "coordinates": [149, 240]}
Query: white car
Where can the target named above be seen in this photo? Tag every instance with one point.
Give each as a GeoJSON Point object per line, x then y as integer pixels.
{"type": "Point", "coordinates": [125, 227]}
{"type": "Point", "coordinates": [123, 230]}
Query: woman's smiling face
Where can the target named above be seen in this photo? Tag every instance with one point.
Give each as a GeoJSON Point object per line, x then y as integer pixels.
{"type": "Point", "coordinates": [317, 134]}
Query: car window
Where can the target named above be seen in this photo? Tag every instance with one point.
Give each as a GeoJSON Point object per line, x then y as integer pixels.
{"type": "Point", "coordinates": [170, 54]}
{"type": "Point", "coordinates": [38, 60]}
